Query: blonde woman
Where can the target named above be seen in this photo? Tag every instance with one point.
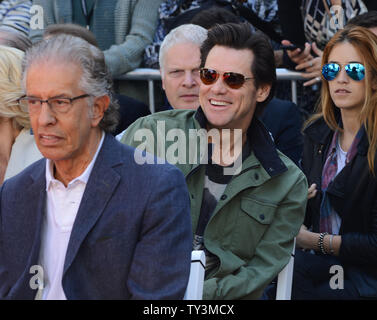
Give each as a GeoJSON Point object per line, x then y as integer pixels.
{"type": "Point", "coordinates": [17, 147]}
{"type": "Point", "coordinates": [340, 159]}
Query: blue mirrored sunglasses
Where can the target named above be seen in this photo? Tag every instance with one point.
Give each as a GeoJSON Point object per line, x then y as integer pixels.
{"type": "Point", "coordinates": [354, 70]}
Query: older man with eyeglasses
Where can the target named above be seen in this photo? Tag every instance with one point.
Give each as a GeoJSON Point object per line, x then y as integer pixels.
{"type": "Point", "coordinates": [247, 198]}
{"type": "Point", "coordinates": [88, 221]}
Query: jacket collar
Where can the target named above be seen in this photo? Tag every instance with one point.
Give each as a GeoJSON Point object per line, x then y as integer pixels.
{"type": "Point", "coordinates": [261, 144]}
{"type": "Point", "coordinates": [321, 133]}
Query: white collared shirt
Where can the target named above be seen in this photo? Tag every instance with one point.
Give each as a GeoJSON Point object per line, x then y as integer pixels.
{"type": "Point", "coordinates": [62, 206]}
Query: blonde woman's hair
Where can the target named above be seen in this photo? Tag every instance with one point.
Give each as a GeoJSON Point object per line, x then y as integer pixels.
{"type": "Point", "coordinates": [10, 87]}
{"type": "Point", "coordinates": [365, 42]}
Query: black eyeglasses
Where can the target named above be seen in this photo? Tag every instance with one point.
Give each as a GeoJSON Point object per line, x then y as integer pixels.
{"type": "Point", "coordinates": [354, 70]}
{"type": "Point", "coordinates": [232, 79]}
{"type": "Point", "coordinates": [57, 105]}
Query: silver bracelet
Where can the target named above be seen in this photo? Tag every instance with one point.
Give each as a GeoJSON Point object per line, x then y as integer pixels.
{"type": "Point", "coordinates": [320, 242]}
{"type": "Point", "coordinates": [330, 245]}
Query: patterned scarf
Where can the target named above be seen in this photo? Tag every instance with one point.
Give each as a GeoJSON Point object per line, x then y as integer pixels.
{"type": "Point", "coordinates": [329, 171]}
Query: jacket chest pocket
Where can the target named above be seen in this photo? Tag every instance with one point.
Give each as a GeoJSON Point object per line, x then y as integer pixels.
{"type": "Point", "coordinates": [253, 219]}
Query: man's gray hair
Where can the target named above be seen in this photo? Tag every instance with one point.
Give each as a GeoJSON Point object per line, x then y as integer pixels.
{"type": "Point", "coordinates": [185, 33]}
{"type": "Point", "coordinates": [95, 80]}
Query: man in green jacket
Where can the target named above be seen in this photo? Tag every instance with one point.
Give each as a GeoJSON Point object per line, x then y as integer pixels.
{"type": "Point", "coordinates": [247, 198]}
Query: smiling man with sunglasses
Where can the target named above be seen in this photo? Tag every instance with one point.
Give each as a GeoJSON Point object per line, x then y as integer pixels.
{"type": "Point", "coordinates": [246, 220]}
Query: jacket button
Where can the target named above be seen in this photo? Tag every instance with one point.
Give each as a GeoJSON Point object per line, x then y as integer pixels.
{"type": "Point", "coordinates": [256, 176]}
{"type": "Point", "coordinates": [223, 197]}
{"type": "Point", "coordinates": [192, 196]}
{"type": "Point", "coordinates": [261, 216]}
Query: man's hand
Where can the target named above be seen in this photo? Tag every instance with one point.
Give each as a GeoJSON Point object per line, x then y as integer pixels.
{"type": "Point", "coordinates": [312, 191]}
{"type": "Point", "coordinates": [309, 65]}
{"type": "Point", "coordinates": [298, 56]}
{"type": "Point", "coordinates": [312, 67]}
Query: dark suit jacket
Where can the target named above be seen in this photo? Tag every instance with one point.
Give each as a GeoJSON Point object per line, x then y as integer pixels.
{"type": "Point", "coordinates": [131, 238]}
{"type": "Point", "coordinates": [129, 111]}
{"type": "Point", "coordinates": [283, 119]}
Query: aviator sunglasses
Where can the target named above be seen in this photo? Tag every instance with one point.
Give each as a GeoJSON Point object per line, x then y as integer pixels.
{"type": "Point", "coordinates": [354, 70]}
{"type": "Point", "coordinates": [232, 79]}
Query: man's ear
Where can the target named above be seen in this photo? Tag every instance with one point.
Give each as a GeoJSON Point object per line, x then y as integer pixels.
{"type": "Point", "coordinates": [99, 107]}
{"type": "Point", "coordinates": [162, 79]}
{"type": "Point", "coordinates": [262, 92]}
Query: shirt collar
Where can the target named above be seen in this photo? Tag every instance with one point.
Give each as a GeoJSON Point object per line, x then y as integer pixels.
{"type": "Point", "coordinates": [84, 177]}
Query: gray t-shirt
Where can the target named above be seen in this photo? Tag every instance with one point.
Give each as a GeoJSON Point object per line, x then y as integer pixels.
{"type": "Point", "coordinates": [214, 186]}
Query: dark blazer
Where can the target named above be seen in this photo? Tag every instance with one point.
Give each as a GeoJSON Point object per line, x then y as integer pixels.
{"type": "Point", "coordinates": [283, 119]}
{"type": "Point", "coordinates": [130, 110]}
{"type": "Point", "coordinates": [131, 238]}
{"type": "Point", "coordinates": [353, 194]}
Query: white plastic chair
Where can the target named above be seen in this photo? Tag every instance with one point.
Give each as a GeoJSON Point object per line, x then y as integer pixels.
{"type": "Point", "coordinates": [284, 285]}
{"type": "Point", "coordinates": [194, 290]}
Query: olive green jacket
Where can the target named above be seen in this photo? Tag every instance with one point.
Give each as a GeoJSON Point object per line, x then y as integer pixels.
{"type": "Point", "coordinates": [254, 223]}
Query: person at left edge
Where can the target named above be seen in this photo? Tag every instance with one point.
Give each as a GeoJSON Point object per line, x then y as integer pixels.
{"type": "Point", "coordinates": [98, 224]}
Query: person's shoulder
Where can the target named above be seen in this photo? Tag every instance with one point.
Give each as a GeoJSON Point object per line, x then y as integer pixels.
{"type": "Point", "coordinates": [293, 171]}
{"type": "Point", "coordinates": [282, 104]}
{"type": "Point", "coordinates": [140, 161]}
{"type": "Point", "coordinates": [173, 114]}
{"type": "Point", "coordinates": [280, 114]}
{"type": "Point", "coordinates": [26, 176]}
{"type": "Point", "coordinates": [316, 126]}
{"type": "Point", "coordinates": [168, 119]}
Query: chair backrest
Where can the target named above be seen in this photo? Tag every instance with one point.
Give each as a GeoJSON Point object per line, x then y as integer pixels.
{"type": "Point", "coordinates": [194, 289]}
{"type": "Point", "coordinates": [284, 285]}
